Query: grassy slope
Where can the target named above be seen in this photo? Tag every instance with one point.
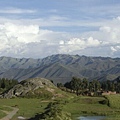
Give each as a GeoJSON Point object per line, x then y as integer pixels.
{"type": "Point", "coordinates": [87, 106]}
{"type": "Point", "coordinates": [27, 107]}
{"type": "Point", "coordinates": [2, 114]}
{"type": "Point", "coordinates": [114, 102]}
{"type": "Point", "coordinates": [75, 105]}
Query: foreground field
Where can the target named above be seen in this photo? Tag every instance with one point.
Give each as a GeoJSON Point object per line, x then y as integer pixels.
{"type": "Point", "coordinates": [114, 103]}
{"type": "Point", "coordinates": [27, 107]}
{"type": "Point", "coordinates": [88, 106]}
{"type": "Point", "coordinates": [77, 106]}
{"type": "Point", "coordinates": [106, 106]}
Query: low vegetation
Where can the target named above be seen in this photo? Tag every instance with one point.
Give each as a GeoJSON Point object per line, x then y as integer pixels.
{"type": "Point", "coordinates": [114, 101]}
{"type": "Point", "coordinates": [50, 103]}
{"type": "Point", "coordinates": [94, 87]}
{"type": "Point", "coordinates": [6, 84]}
{"type": "Point", "coordinates": [59, 109]}
{"type": "Point", "coordinates": [54, 111]}
{"type": "Point", "coordinates": [2, 114]}
{"type": "Point", "coordinates": [87, 106]}
{"type": "Point", "coordinates": [27, 107]}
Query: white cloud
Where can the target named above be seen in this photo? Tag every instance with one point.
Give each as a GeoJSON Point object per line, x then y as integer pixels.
{"type": "Point", "coordinates": [62, 42]}
{"type": "Point", "coordinates": [77, 44]}
{"type": "Point", "coordinates": [92, 42]}
{"type": "Point", "coordinates": [21, 33]}
{"type": "Point", "coordinates": [19, 39]}
{"type": "Point", "coordinates": [16, 11]}
{"type": "Point", "coordinates": [104, 42]}
{"type": "Point", "coordinates": [113, 49]}
{"type": "Point", "coordinates": [105, 29]}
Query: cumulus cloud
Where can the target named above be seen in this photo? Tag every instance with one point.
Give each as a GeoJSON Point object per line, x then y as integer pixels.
{"type": "Point", "coordinates": [18, 39]}
{"type": "Point", "coordinates": [76, 44]}
{"type": "Point", "coordinates": [18, 33]}
{"type": "Point", "coordinates": [29, 40]}
{"type": "Point", "coordinates": [115, 49]}
{"type": "Point", "coordinates": [111, 33]}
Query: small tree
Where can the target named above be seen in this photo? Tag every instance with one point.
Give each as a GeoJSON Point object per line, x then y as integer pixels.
{"type": "Point", "coordinates": [3, 85]}
{"type": "Point", "coordinates": [59, 85]}
{"type": "Point", "coordinates": [76, 84]}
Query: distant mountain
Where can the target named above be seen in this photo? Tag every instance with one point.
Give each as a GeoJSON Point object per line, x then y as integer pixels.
{"type": "Point", "coordinates": [60, 67]}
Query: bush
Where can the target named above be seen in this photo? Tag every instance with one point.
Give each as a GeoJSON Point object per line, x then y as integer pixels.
{"type": "Point", "coordinates": [104, 102]}
{"type": "Point", "coordinates": [54, 112]}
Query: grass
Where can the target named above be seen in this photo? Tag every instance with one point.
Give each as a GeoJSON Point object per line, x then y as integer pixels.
{"type": "Point", "coordinates": [114, 101]}
{"type": "Point", "coordinates": [87, 106]}
{"type": "Point", "coordinates": [77, 106]}
{"type": "Point", "coordinates": [27, 107]}
{"type": "Point", "coordinates": [5, 108]}
{"type": "Point", "coordinates": [32, 104]}
{"type": "Point", "coordinates": [2, 114]}
{"type": "Point", "coordinates": [113, 118]}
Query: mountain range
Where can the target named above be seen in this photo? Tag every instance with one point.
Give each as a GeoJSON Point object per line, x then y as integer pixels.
{"type": "Point", "coordinates": [60, 68]}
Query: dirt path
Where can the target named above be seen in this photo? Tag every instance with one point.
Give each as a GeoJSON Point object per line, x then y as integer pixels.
{"type": "Point", "coordinates": [10, 114]}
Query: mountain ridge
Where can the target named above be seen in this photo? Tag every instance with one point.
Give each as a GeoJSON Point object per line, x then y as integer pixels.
{"type": "Point", "coordinates": [60, 67]}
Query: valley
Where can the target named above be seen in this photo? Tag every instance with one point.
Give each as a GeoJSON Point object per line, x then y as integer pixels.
{"type": "Point", "coordinates": [40, 99]}
{"type": "Point", "coordinates": [59, 59]}
{"type": "Point", "coordinates": [59, 87]}
{"type": "Point", "coordinates": [74, 107]}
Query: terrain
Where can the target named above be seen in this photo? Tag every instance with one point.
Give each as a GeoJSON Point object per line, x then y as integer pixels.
{"type": "Point", "coordinates": [39, 98]}
{"type": "Point", "coordinates": [31, 97]}
{"type": "Point", "coordinates": [34, 88]}
{"type": "Point", "coordinates": [60, 68]}
{"type": "Point", "coordinates": [34, 108]}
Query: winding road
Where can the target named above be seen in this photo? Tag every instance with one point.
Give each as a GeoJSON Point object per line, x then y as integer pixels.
{"type": "Point", "coordinates": [10, 114]}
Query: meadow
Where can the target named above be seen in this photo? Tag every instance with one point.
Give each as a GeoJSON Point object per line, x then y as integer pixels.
{"type": "Point", "coordinates": [81, 106]}
{"type": "Point", "coordinates": [75, 105]}
{"type": "Point", "coordinates": [114, 103]}
{"type": "Point", "coordinates": [27, 107]}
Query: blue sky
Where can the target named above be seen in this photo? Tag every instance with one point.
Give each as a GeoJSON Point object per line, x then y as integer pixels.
{"type": "Point", "coordinates": [84, 27]}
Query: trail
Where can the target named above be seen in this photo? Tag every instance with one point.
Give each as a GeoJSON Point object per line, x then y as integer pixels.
{"type": "Point", "coordinates": [9, 114]}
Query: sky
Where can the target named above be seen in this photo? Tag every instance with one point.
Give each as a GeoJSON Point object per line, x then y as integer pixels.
{"type": "Point", "coordinates": [40, 28]}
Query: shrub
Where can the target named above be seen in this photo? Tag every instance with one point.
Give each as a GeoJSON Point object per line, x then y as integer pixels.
{"type": "Point", "coordinates": [104, 102]}
{"type": "Point", "coordinates": [54, 112]}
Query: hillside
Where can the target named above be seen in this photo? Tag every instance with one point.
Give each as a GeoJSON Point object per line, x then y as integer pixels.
{"type": "Point", "coordinates": [32, 88]}
{"type": "Point", "coordinates": [60, 67]}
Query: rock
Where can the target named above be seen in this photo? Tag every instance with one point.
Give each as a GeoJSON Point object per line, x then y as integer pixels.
{"type": "Point", "coordinates": [21, 118]}
{"type": "Point", "coordinates": [28, 86]}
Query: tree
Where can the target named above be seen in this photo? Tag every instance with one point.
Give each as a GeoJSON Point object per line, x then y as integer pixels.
{"type": "Point", "coordinates": [85, 84]}
{"type": "Point", "coordinates": [91, 86]}
{"type": "Point", "coordinates": [67, 85]}
{"type": "Point", "coordinates": [7, 84]}
{"type": "Point", "coordinates": [3, 84]}
{"type": "Point", "coordinates": [59, 85]}
{"type": "Point", "coordinates": [76, 84]}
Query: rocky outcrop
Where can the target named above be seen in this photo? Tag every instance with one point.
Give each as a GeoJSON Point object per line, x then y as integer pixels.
{"type": "Point", "coordinates": [29, 86]}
